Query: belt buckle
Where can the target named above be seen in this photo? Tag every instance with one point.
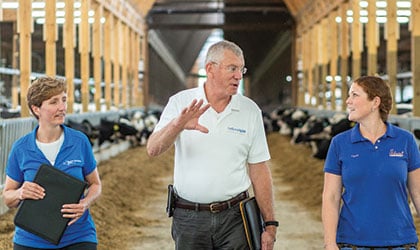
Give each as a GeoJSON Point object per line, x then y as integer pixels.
{"type": "Point", "coordinates": [213, 208]}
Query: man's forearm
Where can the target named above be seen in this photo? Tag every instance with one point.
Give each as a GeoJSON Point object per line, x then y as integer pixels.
{"type": "Point", "coordinates": [162, 140]}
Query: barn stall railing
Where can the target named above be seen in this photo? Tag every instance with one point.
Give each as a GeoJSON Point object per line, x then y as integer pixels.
{"type": "Point", "coordinates": [409, 123]}
{"type": "Point", "coordinates": [10, 131]}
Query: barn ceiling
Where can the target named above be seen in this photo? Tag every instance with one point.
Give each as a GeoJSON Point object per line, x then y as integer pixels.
{"type": "Point", "coordinates": [178, 29]}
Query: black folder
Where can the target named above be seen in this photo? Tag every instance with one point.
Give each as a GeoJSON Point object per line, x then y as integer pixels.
{"type": "Point", "coordinates": [43, 217]}
{"type": "Point", "coordinates": [253, 222]}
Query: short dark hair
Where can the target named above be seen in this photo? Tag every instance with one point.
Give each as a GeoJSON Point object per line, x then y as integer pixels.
{"type": "Point", "coordinates": [43, 88]}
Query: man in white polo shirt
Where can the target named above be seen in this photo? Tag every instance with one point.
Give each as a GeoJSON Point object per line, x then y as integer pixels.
{"type": "Point", "coordinates": [220, 150]}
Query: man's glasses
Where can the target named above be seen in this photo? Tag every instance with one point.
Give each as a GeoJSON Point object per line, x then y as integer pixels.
{"type": "Point", "coordinates": [233, 68]}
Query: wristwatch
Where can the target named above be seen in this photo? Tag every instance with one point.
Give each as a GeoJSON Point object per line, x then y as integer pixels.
{"type": "Point", "coordinates": [271, 223]}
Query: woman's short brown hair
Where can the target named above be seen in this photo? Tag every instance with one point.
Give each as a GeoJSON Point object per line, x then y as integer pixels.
{"type": "Point", "coordinates": [43, 88]}
{"type": "Point", "coordinates": [376, 86]}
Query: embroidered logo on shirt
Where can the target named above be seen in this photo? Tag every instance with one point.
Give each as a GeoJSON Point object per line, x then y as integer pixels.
{"type": "Point", "coordinates": [72, 162]}
{"type": "Point", "coordinates": [237, 130]}
{"type": "Point", "coordinates": [354, 155]}
{"type": "Point", "coordinates": [393, 153]}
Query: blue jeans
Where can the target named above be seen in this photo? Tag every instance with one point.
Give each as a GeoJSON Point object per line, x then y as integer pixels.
{"type": "Point", "coordinates": [192, 230]}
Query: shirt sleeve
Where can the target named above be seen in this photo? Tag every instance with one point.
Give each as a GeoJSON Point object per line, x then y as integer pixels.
{"type": "Point", "coordinates": [12, 168]}
{"type": "Point", "coordinates": [259, 151]}
{"type": "Point", "coordinates": [90, 160]}
{"type": "Point", "coordinates": [332, 163]}
{"type": "Point", "coordinates": [168, 114]}
{"type": "Point", "coordinates": [414, 154]}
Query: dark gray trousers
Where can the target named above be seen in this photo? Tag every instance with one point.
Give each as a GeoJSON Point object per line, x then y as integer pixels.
{"type": "Point", "coordinates": [192, 230]}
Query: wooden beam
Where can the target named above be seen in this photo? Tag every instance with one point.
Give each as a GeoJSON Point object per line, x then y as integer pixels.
{"type": "Point", "coordinates": [9, 15]}
{"type": "Point", "coordinates": [15, 60]}
{"type": "Point", "coordinates": [356, 38]}
{"type": "Point", "coordinates": [312, 13]}
{"type": "Point", "coordinates": [295, 6]}
{"type": "Point", "coordinates": [126, 13]}
{"type": "Point", "coordinates": [305, 66]}
{"type": "Point", "coordinates": [333, 48]}
{"type": "Point", "coordinates": [313, 79]}
{"type": "Point", "coordinates": [372, 35]}
{"type": "Point", "coordinates": [323, 58]}
{"type": "Point", "coordinates": [69, 44]}
{"type": "Point", "coordinates": [108, 41]}
{"type": "Point", "coordinates": [344, 52]}
{"type": "Point", "coordinates": [84, 49]}
{"type": "Point", "coordinates": [25, 29]}
{"type": "Point", "coordinates": [116, 48]}
{"type": "Point", "coordinates": [144, 55]}
{"type": "Point", "coordinates": [97, 39]}
{"type": "Point", "coordinates": [391, 36]}
{"type": "Point", "coordinates": [415, 54]}
{"type": "Point", "coordinates": [124, 66]}
{"type": "Point", "coordinates": [50, 37]}
{"type": "Point", "coordinates": [144, 6]}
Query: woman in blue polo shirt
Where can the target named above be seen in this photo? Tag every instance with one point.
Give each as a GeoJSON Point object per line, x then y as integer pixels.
{"type": "Point", "coordinates": [64, 148]}
{"type": "Point", "coordinates": [371, 168]}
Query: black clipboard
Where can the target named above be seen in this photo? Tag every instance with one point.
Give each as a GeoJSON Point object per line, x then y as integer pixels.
{"type": "Point", "coordinates": [43, 217]}
{"type": "Point", "coordinates": [253, 222]}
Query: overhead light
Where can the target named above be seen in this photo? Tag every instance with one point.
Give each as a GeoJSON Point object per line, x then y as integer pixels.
{"type": "Point", "coordinates": [403, 13]}
{"type": "Point", "coordinates": [38, 13]}
{"type": "Point", "coordinates": [363, 4]}
{"type": "Point", "coordinates": [10, 5]}
{"type": "Point", "coordinates": [381, 19]}
{"type": "Point", "coordinates": [38, 5]}
{"type": "Point", "coordinates": [60, 13]}
{"type": "Point", "coordinates": [381, 4]}
{"type": "Point", "coordinates": [60, 5]}
{"type": "Point", "coordinates": [403, 19]}
{"type": "Point", "coordinates": [381, 13]}
{"type": "Point", "coordinates": [363, 19]}
{"type": "Point", "coordinates": [404, 4]}
{"type": "Point", "coordinates": [338, 19]}
{"type": "Point", "coordinates": [40, 20]}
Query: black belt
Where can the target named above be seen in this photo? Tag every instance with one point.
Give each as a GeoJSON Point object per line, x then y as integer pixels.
{"type": "Point", "coordinates": [214, 207]}
{"type": "Point", "coordinates": [353, 247]}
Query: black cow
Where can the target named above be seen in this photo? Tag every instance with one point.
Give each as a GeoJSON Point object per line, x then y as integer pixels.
{"type": "Point", "coordinates": [291, 119]}
{"type": "Point", "coordinates": [318, 132]}
{"type": "Point", "coordinates": [310, 129]}
{"type": "Point", "coordinates": [86, 128]}
{"type": "Point", "coordinates": [107, 131]}
{"type": "Point", "coordinates": [9, 113]}
{"type": "Point", "coordinates": [338, 123]}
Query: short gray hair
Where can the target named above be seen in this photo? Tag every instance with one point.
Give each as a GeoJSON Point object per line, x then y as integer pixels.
{"type": "Point", "coordinates": [215, 52]}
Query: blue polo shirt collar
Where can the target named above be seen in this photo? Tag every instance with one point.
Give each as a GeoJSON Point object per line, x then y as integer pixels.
{"type": "Point", "coordinates": [356, 136]}
{"type": "Point", "coordinates": [32, 143]}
